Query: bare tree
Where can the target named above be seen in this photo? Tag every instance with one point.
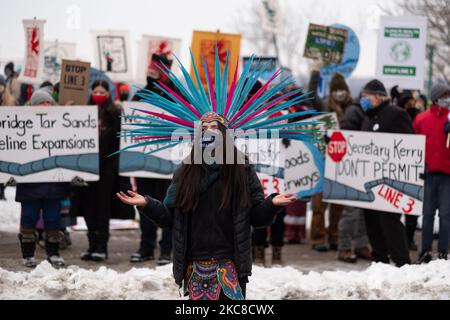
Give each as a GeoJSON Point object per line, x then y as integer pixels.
{"type": "Point", "coordinates": [438, 14]}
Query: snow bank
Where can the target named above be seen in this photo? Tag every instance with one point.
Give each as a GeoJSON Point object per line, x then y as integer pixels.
{"type": "Point", "coordinates": [379, 281]}
{"type": "Point", "coordinates": [9, 212]}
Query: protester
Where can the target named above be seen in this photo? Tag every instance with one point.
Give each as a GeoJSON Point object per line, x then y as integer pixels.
{"type": "Point", "coordinates": [386, 232]}
{"type": "Point", "coordinates": [124, 92]}
{"type": "Point", "coordinates": [352, 226]}
{"type": "Point", "coordinates": [35, 197]}
{"type": "Point", "coordinates": [434, 124]}
{"type": "Point", "coordinates": [93, 200]}
{"type": "Point", "coordinates": [323, 239]}
{"type": "Point", "coordinates": [156, 187]}
{"type": "Point", "coordinates": [422, 103]}
{"type": "Point", "coordinates": [12, 84]}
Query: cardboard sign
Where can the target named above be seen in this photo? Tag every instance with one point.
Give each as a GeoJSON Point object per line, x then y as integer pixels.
{"type": "Point", "coordinates": [326, 43]}
{"type": "Point", "coordinates": [204, 44]}
{"type": "Point", "coordinates": [402, 51]}
{"type": "Point", "coordinates": [377, 171]}
{"type": "Point", "coordinates": [74, 83]}
{"type": "Point", "coordinates": [33, 68]}
{"type": "Point", "coordinates": [48, 144]}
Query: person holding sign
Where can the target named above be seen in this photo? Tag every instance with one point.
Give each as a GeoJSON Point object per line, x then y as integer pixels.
{"type": "Point", "coordinates": [387, 234]}
{"type": "Point", "coordinates": [434, 124]}
{"type": "Point", "coordinates": [94, 201]}
{"type": "Point", "coordinates": [37, 197]}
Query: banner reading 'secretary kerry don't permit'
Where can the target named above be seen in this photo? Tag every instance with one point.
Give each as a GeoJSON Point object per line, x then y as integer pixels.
{"type": "Point", "coordinates": [378, 171]}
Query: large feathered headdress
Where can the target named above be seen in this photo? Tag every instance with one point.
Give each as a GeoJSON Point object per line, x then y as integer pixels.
{"type": "Point", "coordinates": [231, 105]}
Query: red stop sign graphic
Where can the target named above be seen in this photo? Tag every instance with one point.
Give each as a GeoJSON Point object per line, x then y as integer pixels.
{"type": "Point", "coordinates": [337, 147]}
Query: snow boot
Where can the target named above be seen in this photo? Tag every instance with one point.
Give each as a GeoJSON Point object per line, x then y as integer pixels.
{"type": "Point", "coordinates": [347, 256]}
{"type": "Point", "coordinates": [87, 255]}
{"type": "Point", "coordinates": [425, 257]}
{"type": "Point", "coordinates": [442, 256]}
{"type": "Point", "coordinates": [276, 255]}
{"type": "Point", "coordinates": [163, 259]}
{"type": "Point", "coordinates": [363, 253]}
{"type": "Point", "coordinates": [28, 246]}
{"type": "Point", "coordinates": [2, 192]}
{"type": "Point", "coordinates": [101, 247]}
{"type": "Point", "coordinates": [51, 248]}
{"type": "Point", "coordinates": [260, 255]}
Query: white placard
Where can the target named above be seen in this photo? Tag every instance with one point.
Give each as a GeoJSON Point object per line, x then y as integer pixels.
{"type": "Point", "coordinates": [54, 53]}
{"type": "Point", "coordinates": [33, 67]}
{"type": "Point", "coordinates": [402, 51]}
{"type": "Point", "coordinates": [113, 54]}
{"type": "Point", "coordinates": [48, 144]}
{"type": "Point", "coordinates": [378, 171]}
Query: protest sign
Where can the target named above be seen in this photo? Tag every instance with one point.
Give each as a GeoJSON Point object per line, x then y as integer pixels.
{"type": "Point", "coordinates": [137, 162]}
{"type": "Point", "coordinates": [74, 83]}
{"type": "Point", "coordinates": [150, 45]}
{"type": "Point", "coordinates": [325, 43]}
{"type": "Point", "coordinates": [270, 64]}
{"type": "Point", "coordinates": [54, 53]}
{"type": "Point", "coordinates": [48, 144]}
{"type": "Point", "coordinates": [112, 54]}
{"type": "Point", "coordinates": [33, 68]}
{"type": "Point", "coordinates": [377, 171]}
{"type": "Point", "coordinates": [401, 51]}
{"type": "Point", "coordinates": [204, 45]}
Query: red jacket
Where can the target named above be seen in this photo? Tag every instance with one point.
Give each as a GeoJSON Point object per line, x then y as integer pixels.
{"type": "Point", "coordinates": [431, 124]}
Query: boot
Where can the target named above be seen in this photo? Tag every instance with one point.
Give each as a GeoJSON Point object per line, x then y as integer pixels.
{"type": "Point", "coordinates": [28, 246]}
{"type": "Point", "coordinates": [276, 255]}
{"type": "Point", "coordinates": [101, 249]}
{"type": "Point", "coordinates": [260, 255]}
{"type": "Point", "coordinates": [424, 257]}
{"type": "Point", "coordinates": [347, 256]}
{"type": "Point", "coordinates": [363, 253]}
{"type": "Point", "coordinates": [2, 192]}
{"type": "Point", "coordinates": [442, 256]}
{"type": "Point", "coordinates": [65, 240]}
{"type": "Point", "coordinates": [51, 248]}
{"type": "Point", "coordinates": [87, 255]}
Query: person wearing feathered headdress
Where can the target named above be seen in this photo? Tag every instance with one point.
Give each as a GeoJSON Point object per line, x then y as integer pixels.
{"type": "Point", "coordinates": [214, 200]}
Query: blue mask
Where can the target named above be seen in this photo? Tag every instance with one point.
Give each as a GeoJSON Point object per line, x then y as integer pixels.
{"type": "Point", "coordinates": [366, 104]}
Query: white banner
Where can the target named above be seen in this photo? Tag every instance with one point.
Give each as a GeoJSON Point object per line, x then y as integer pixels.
{"type": "Point", "coordinates": [113, 54]}
{"type": "Point", "coordinates": [159, 45]}
{"type": "Point", "coordinates": [48, 144]}
{"type": "Point", "coordinates": [33, 67]}
{"type": "Point", "coordinates": [377, 171]}
{"type": "Point", "coordinates": [402, 51]}
{"type": "Point", "coordinates": [54, 53]}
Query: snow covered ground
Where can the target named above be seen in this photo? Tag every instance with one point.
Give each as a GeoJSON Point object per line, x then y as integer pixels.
{"type": "Point", "coordinates": [379, 281]}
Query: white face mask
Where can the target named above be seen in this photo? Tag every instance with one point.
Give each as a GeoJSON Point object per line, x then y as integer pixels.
{"type": "Point", "coordinates": [445, 103]}
{"type": "Point", "coordinates": [210, 137]}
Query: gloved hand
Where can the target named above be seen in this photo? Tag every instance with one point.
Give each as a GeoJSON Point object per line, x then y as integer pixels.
{"type": "Point", "coordinates": [78, 182]}
{"type": "Point", "coordinates": [326, 138]}
{"type": "Point", "coordinates": [11, 182]}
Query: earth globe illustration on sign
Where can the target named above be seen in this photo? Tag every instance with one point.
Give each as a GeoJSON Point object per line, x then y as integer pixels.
{"type": "Point", "coordinates": [400, 51]}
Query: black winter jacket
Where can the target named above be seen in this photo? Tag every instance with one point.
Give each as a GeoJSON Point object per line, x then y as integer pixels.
{"type": "Point", "coordinates": [387, 118]}
{"type": "Point", "coordinates": [261, 215]}
{"type": "Point", "coordinates": [352, 118]}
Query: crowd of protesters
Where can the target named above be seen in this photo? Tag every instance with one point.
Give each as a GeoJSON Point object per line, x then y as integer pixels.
{"type": "Point", "coordinates": [48, 209]}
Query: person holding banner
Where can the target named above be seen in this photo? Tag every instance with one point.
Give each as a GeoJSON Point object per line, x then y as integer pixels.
{"type": "Point", "coordinates": [94, 201]}
{"type": "Point", "coordinates": [387, 234]}
{"type": "Point", "coordinates": [434, 124]}
{"type": "Point", "coordinates": [37, 197]}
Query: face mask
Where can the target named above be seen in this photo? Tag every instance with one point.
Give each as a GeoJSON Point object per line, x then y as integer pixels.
{"type": "Point", "coordinates": [366, 104]}
{"type": "Point", "coordinates": [209, 138]}
{"type": "Point", "coordinates": [340, 95]}
{"type": "Point", "coordinates": [99, 99]}
{"type": "Point", "coordinates": [445, 103]}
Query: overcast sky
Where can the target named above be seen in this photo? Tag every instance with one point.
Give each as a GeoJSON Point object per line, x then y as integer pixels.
{"type": "Point", "coordinates": [72, 21]}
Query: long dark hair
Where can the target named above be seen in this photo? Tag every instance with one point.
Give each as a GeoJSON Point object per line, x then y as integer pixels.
{"type": "Point", "coordinates": [236, 193]}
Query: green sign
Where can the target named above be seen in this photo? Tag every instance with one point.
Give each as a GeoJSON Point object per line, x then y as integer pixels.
{"type": "Point", "coordinates": [404, 33]}
{"type": "Point", "coordinates": [326, 43]}
{"type": "Point", "coordinates": [399, 71]}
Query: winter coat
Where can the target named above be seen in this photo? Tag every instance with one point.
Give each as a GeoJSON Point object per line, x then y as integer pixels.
{"type": "Point", "coordinates": [387, 118]}
{"type": "Point", "coordinates": [39, 191]}
{"type": "Point", "coordinates": [432, 124]}
{"type": "Point", "coordinates": [260, 215]}
{"type": "Point", "coordinates": [352, 118]}
{"type": "Point", "coordinates": [88, 198]}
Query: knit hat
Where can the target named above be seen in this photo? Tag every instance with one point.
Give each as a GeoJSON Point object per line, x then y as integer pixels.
{"type": "Point", "coordinates": [2, 81]}
{"type": "Point", "coordinates": [438, 91]}
{"type": "Point", "coordinates": [375, 87]}
{"type": "Point", "coordinates": [338, 83]}
{"type": "Point", "coordinates": [40, 96]}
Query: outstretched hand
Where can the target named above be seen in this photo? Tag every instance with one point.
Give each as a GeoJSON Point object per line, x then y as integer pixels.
{"type": "Point", "coordinates": [132, 198]}
{"type": "Point", "coordinates": [282, 200]}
